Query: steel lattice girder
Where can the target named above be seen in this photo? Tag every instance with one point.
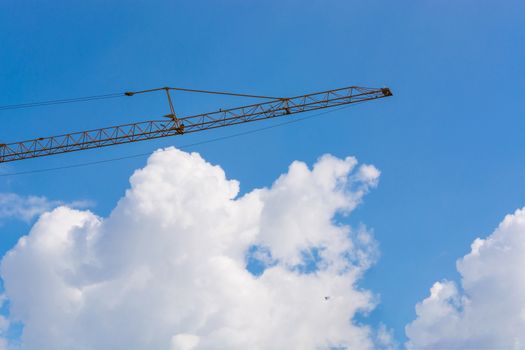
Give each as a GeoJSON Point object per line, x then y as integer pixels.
{"type": "Point", "coordinates": [153, 129]}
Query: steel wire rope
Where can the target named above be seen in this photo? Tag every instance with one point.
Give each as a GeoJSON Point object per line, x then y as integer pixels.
{"type": "Point", "coordinates": [61, 101]}
{"type": "Point", "coordinates": [123, 94]}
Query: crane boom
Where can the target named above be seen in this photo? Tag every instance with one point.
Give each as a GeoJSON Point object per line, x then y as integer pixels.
{"type": "Point", "coordinates": [153, 129]}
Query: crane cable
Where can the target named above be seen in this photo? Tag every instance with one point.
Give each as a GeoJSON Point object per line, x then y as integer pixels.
{"type": "Point", "coordinates": [130, 93]}
{"type": "Point", "coordinates": [61, 101]}
{"type": "Point", "coordinates": [110, 160]}
{"type": "Point", "coordinates": [123, 94]}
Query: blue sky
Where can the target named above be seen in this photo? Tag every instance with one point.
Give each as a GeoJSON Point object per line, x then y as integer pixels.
{"type": "Point", "coordinates": [449, 144]}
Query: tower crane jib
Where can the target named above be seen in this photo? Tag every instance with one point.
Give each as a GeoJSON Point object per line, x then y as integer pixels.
{"type": "Point", "coordinates": [173, 125]}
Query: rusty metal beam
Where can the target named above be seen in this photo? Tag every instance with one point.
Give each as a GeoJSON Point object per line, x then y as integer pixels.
{"type": "Point", "coordinates": [114, 135]}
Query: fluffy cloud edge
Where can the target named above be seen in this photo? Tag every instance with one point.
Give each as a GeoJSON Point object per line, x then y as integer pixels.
{"type": "Point", "coordinates": [487, 309]}
{"type": "Point", "coordinates": [28, 207]}
{"type": "Point", "coordinates": [182, 217]}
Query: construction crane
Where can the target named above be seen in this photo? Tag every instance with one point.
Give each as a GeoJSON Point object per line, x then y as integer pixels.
{"type": "Point", "coordinates": [171, 125]}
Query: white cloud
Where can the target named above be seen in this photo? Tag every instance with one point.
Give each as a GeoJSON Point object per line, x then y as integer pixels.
{"type": "Point", "coordinates": [385, 338]}
{"type": "Point", "coordinates": [26, 208]}
{"type": "Point", "coordinates": [14, 206]}
{"type": "Point", "coordinates": [167, 268]}
{"type": "Point", "coordinates": [488, 312]}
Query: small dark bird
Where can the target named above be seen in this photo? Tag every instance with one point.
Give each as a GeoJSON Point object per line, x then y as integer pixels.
{"type": "Point", "coordinates": [326, 298]}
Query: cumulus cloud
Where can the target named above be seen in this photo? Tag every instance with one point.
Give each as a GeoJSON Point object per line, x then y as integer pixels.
{"type": "Point", "coordinates": [488, 311]}
{"type": "Point", "coordinates": [15, 206]}
{"type": "Point", "coordinates": [168, 268]}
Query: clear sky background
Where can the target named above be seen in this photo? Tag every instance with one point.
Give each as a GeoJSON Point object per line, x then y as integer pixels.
{"type": "Point", "coordinates": [449, 144]}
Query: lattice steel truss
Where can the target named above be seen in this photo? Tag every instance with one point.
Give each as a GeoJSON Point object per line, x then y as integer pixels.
{"type": "Point", "coordinates": [172, 126]}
